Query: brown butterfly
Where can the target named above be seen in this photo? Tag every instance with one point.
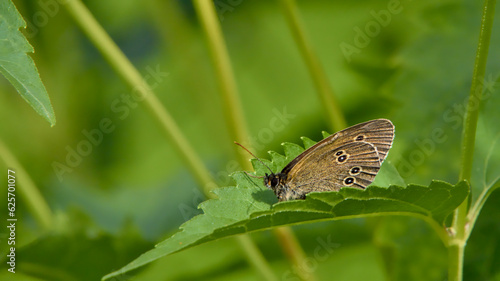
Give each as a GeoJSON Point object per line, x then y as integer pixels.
{"type": "Point", "coordinates": [351, 157]}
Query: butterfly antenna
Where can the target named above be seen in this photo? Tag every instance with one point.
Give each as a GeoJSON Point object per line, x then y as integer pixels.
{"type": "Point", "coordinates": [254, 156]}
{"type": "Point", "coordinates": [250, 175]}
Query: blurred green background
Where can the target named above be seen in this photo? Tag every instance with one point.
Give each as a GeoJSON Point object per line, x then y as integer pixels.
{"type": "Point", "coordinates": [133, 190]}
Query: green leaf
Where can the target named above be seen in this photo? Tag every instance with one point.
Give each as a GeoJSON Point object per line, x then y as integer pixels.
{"type": "Point", "coordinates": [250, 207]}
{"type": "Point", "coordinates": [17, 66]}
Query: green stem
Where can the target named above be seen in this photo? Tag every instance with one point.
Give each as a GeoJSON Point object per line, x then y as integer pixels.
{"type": "Point", "coordinates": [233, 111]}
{"type": "Point", "coordinates": [461, 224]}
{"type": "Point", "coordinates": [27, 189]}
{"type": "Point", "coordinates": [489, 188]}
{"type": "Point", "coordinates": [455, 261]}
{"type": "Point", "coordinates": [294, 252]}
{"type": "Point", "coordinates": [331, 106]}
{"type": "Point", "coordinates": [476, 92]}
{"type": "Point", "coordinates": [133, 78]}
{"type": "Point", "coordinates": [255, 257]}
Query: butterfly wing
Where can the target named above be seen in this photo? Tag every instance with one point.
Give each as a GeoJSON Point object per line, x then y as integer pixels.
{"type": "Point", "coordinates": [379, 133]}
{"type": "Point", "coordinates": [327, 171]}
{"type": "Point", "coordinates": [320, 168]}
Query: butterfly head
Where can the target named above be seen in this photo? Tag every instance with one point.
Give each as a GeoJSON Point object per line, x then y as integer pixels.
{"type": "Point", "coordinates": [277, 183]}
{"type": "Point", "coordinates": [272, 180]}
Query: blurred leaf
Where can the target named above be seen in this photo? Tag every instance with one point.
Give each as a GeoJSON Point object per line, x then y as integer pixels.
{"type": "Point", "coordinates": [74, 246]}
{"type": "Point", "coordinates": [332, 248]}
{"type": "Point", "coordinates": [482, 255]}
{"type": "Point", "coordinates": [486, 168]}
{"type": "Point", "coordinates": [249, 207]}
{"type": "Point", "coordinates": [17, 66]}
{"type": "Point", "coordinates": [430, 139]}
{"type": "Point", "coordinates": [411, 250]}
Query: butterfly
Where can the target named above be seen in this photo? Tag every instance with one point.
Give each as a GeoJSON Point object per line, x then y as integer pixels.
{"type": "Point", "coordinates": [351, 157]}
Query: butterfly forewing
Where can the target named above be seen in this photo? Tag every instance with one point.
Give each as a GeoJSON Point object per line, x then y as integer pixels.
{"type": "Point", "coordinates": [379, 132]}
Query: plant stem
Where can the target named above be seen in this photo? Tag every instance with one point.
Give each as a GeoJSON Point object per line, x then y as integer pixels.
{"type": "Point", "coordinates": [455, 261]}
{"type": "Point", "coordinates": [234, 112]}
{"type": "Point", "coordinates": [331, 106]}
{"type": "Point", "coordinates": [133, 78]}
{"type": "Point", "coordinates": [294, 252]}
{"type": "Point", "coordinates": [461, 224]}
{"type": "Point", "coordinates": [476, 91]}
{"type": "Point", "coordinates": [255, 257]}
{"type": "Point", "coordinates": [28, 190]}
